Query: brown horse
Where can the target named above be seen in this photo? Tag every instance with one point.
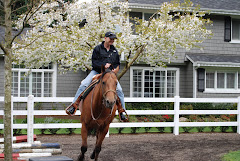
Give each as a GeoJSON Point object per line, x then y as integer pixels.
{"type": "Point", "coordinates": [98, 111]}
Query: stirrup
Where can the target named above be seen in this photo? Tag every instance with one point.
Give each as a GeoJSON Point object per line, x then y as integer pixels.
{"type": "Point", "coordinates": [71, 109]}
{"type": "Point", "coordinates": [125, 119]}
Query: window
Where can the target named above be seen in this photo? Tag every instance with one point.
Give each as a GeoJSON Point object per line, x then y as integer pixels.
{"type": "Point", "coordinates": [39, 82]}
{"type": "Point", "coordinates": [133, 15]}
{"type": "Point", "coordinates": [232, 29]}
{"type": "Point", "coordinates": [150, 82]}
{"type": "Point", "coordinates": [222, 81]}
{"type": "Point", "coordinates": [236, 29]}
{"type": "Point", "coordinates": [139, 15]}
{"type": "Point", "coordinates": [210, 80]}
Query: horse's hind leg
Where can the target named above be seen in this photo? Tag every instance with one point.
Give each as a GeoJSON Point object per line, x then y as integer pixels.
{"type": "Point", "coordinates": [100, 138]}
{"type": "Point", "coordinates": [84, 133]}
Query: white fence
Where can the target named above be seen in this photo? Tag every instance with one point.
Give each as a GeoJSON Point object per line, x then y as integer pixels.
{"type": "Point", "coordinates": [30, 112]}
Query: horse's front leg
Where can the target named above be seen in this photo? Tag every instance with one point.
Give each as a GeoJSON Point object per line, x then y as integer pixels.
{"type": "Point", "coordinates": [100, 137]}
{"type": "Point", "coordinates": [84, 133]}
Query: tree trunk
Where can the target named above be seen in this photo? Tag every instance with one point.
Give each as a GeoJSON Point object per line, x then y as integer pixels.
{"type": "Point", "coordinates": [8, 82]}
{"type": "Point", "coordinates": [128, 64]}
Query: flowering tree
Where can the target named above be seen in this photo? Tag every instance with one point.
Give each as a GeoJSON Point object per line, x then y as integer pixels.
{"type": "Point", "coordinates": [66, 33]}
{"type": "Point", "coordinates": [8, 10]}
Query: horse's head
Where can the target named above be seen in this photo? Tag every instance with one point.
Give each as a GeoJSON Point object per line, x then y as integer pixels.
{"type": "Point", "coordinates": [109, 84]}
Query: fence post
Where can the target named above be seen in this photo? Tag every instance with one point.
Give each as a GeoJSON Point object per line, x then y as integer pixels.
{"type": "Point", "coordinates": [12, 117]}
{"type": "Point", "coordinates": [176, 115]}
{"type": "Point", "coordinates": [30, 109]}
{"type": "Point", "coordinates": [238, 116]}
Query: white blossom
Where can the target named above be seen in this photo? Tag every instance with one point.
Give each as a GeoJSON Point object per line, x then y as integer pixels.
{"type": "Point", "coordinates": [55, 35]}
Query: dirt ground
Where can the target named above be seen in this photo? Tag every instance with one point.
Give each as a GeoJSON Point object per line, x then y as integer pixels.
{"type": "Point", "coordinates": [151, 147]}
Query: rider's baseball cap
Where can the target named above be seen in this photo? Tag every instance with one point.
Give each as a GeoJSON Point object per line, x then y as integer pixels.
{"type": "Point", "coordinates": [111, 35]}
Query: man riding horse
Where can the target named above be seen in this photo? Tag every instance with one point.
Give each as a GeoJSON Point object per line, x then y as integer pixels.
{"type": "Point", "coordinates": [107, 55]}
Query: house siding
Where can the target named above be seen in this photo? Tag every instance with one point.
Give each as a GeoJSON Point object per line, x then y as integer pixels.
{"type": "Point", "coordinates": [186, 81]}
{"type": "Point", "coordinates": [215, 45]}
{"type": "Point", "coordinates": [67, 84]}
{"type": "Point", "coordinates": [125, 81]}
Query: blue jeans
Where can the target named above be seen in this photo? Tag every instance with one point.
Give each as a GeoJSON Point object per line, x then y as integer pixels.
{"type": "Point", "coordinates": [86, 82]}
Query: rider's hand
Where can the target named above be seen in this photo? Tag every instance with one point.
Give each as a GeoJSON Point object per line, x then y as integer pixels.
{"type": "Point", "coordinates": [107, 65]}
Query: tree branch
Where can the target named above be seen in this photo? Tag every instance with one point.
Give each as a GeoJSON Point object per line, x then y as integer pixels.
{"type": "Point", "coordinates": [27, 19]}
{"type": "Point", "coordinates": [99, 12]}
{"type": "Point", "coordinates": [89, 45]}
{"type": "Point", "coordinates": [14, 1]}
{"type": "Point", "coordinates": [33, 41]}
{"type": "Point", "coordinates": [128, 64]}
{"type": "Point", "coordinates": [19, 8]}
{"type": "Point", "coordinates": [3, 48]}
{"type": "Point", "coordinates": [3, 37]}
{"type": "Point", "coordinates": [150, 19]}
{"type": "Point", "coordinates": [1, 7]}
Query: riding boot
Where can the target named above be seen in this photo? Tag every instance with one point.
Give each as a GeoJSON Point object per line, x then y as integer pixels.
{"type": "Point", "coordinates": [122, 117]}
{"type": "Point", "coordinates": [72, 108]}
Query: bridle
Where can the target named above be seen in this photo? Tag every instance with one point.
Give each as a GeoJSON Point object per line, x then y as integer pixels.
{"type": "Point", "coordinates": [104, 97]}
{"type": "Point", "coordinates": [110, 90]}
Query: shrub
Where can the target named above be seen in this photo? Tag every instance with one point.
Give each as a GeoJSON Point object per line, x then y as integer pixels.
{"type": "Point", "coordinates": [200, 129]}
{"type": "Point", "coordinates": [70, 130]}
{"type": "Point", "coordinates": [161, 129]}
{"type": "Point", "coordinates": [233, 117]}
{"type": "Point", "coordinates": [200, 106]}
{"type": "Point", "coordinates": [234, 128]}
{"type": "Point", "coordinates": [18, 131]}
{"type": "Point", "coordinates": [150, 106]}
{"type": "Point", "coordinates": [147, 129]}
{"type": "Point", "coordinates": [187, 129]}
{"type": "Point", "coordinates": [212, 128]}
{"type": "Point", "coordinates": [120, 130]}
{"type": "Point", "coordinates": [51, 120]}
{"type": "Point", "coordinates": [224, 128]}
{"type": "Point", "coordinates": [186, 107]}
{"type": "Point", "coordinates": [134, 129]}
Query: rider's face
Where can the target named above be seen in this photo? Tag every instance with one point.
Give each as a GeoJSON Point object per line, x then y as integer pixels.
{"type": "Point", "coordinates": [109, 41]}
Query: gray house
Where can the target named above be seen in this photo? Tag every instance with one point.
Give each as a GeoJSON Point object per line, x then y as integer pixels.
{"type": "Point", "coordinates": [211, 72]}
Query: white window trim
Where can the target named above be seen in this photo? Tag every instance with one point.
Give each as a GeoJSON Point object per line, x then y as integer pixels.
{"type": "Point", "coordinates": [54, 78]}
{"type": "Point", "coordinates": [220, 90]}
{"type": "Point", "coordinates": [234, 41]}
{"type": "Point", "coordinates": [157, 69]}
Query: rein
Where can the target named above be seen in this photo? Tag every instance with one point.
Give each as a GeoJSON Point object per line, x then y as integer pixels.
{"type": "Point", "coordinates": [114, 91]}
{"type": "Point", "coordinates": [104, 97]}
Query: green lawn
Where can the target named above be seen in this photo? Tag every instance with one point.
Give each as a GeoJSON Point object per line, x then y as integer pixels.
{"type": "Point", "coordinates": [232, 156]}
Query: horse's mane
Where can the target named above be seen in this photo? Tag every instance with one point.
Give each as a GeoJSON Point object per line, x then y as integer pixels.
{"type": "Point", "coordinates": [106, 71]}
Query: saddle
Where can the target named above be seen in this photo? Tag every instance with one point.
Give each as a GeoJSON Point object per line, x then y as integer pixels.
{"type": "Point", "coordinates": [71, 110]}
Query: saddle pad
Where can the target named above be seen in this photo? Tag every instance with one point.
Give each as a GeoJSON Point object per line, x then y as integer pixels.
{"type": "Point", "coordinates": [89, 88]}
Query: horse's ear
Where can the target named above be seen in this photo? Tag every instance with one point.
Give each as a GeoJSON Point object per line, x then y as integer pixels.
{"type": "Point", "coordinates": [102, 68]}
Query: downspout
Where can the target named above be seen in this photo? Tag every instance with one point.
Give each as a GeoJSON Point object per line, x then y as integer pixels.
{"type": "Point", "coordinates": [195, 66]}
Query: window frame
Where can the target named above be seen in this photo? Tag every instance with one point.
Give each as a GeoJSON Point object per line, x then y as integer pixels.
{"type": "Point", "coordinates": [154, 69]}
{"type": "Point", "coordinates": [234, 41]}
{"type": "Point", "coordinates": [215, 89]}
{"type": "Point", "coordinates": [42, 71]}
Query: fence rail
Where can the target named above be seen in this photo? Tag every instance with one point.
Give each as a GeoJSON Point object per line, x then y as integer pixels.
{"type": "Point", "coordinates": [30, 112]}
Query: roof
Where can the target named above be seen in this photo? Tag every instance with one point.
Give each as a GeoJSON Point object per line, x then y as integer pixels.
{"type": "Point", "coordinates": [216, 6]}
{"type": "Point", "coordinates": [214, 60]}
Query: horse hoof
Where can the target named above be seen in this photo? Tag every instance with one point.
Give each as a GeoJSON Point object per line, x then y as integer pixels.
{"type": "Point", "coordinates": [80, 158]}
{"type": "Point", "coordinates": [92, 156]}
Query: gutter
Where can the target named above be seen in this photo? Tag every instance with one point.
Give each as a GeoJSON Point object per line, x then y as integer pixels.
{"type": "Point", "coordinates": [212, 11]}
{"type": "Point", "coordinates": [198, 64]}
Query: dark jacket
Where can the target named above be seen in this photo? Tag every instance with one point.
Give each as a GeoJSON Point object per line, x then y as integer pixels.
{"type": "Point", "coordinates": [101, 56]}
